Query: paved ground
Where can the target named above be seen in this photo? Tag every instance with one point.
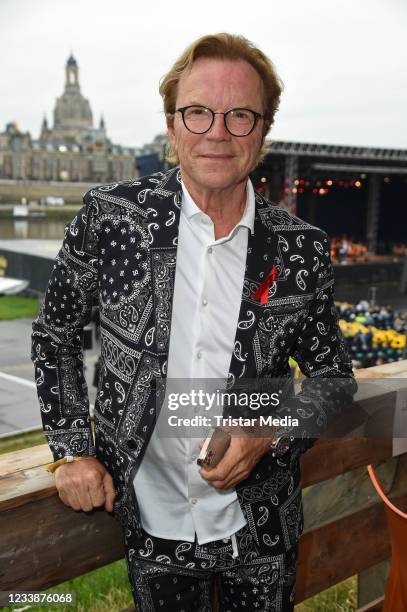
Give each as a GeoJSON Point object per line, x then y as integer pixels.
{"type": "Point", "coordinates": [19, 409]}
{"type": "Point", "coordinates": [41, 248]}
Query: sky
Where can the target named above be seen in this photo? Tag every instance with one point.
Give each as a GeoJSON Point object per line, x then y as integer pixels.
{"type": "Point", "coordinates": [343, 62]}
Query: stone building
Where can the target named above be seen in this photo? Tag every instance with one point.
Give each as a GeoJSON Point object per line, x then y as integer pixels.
{"type": "Point", "coordinates": [71, 150]}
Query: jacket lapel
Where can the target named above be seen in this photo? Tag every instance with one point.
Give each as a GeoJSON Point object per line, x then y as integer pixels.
{"type": "Point", "coordinates": [263, 252]}
{"type": "Point", "coordinates": [163, 206]}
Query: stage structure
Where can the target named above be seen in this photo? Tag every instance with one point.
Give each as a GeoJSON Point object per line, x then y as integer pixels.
{"type": "Point", "coordinates": [366, 187]}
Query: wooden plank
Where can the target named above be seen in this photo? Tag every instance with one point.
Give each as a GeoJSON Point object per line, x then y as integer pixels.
{"type": "Point", "coordinates": [341, 548]}
{"type": "Point", "coordinates": [347, 493]}
{"type": "Point", "coordinates": [396, 369]}
{"type": "Point", "coordinates": [373, 606]}
{"type": "Point", "coordinates": [44, 543]}
{"type": "Point", "coordinates": [25, 486]}
{"type": "Point", "coordinates": [326, 459]}
{"type": "Point", "coordinates": [371, 583]}
{"type": "Point", "coordinates": [333, 456]}
{"type": "Point", "coordinates": [25, 458]}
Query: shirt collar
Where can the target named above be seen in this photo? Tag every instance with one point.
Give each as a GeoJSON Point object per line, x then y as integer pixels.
{"type": "Point", "coordinates": [189, 208]}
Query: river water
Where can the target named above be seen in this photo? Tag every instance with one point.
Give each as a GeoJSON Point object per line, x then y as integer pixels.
{"type": "Point", "coordinates": [41, 229]}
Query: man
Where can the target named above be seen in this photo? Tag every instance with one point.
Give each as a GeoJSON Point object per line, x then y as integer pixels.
{"type": "Point", "coordinates": [196, 276]}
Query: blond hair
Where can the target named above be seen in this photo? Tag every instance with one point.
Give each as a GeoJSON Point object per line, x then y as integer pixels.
{"type": "Point", "coordinates": [226, 47]}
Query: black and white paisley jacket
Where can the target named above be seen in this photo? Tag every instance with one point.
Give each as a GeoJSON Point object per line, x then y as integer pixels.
{"type": "Point", "coordinates": [119, 252]}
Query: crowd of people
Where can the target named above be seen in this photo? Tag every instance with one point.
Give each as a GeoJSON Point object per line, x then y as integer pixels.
{"type": "Point", "coordinates": [345, 250]}
{"type": "Point", "coordinates": [374, 334]}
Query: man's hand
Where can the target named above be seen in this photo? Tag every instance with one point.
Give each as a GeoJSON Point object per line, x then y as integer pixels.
{"type": "Point", "coordinates": [238, 461]}
{"type": "Point", "coordinates": [85, 484]}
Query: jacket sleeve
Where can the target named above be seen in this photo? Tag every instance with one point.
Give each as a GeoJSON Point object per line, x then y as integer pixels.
{"type": "Point", "coordinates": [56, 349]}
{"type": "Point", "coordinates": [327, 391]}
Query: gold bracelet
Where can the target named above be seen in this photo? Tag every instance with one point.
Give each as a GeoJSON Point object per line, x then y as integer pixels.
{"type": "Point", "coordinates": [51, 467]}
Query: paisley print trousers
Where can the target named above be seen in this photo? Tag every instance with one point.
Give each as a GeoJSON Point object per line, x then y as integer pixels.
{"type": "Point", "coordinates": [178, 576]}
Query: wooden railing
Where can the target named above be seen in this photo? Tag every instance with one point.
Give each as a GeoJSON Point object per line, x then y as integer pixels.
{"type": "Point", "coordinates": [44, 543]}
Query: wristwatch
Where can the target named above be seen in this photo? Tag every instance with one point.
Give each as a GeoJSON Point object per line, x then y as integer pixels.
{"type": "Point", "coordinates": [280, 446]}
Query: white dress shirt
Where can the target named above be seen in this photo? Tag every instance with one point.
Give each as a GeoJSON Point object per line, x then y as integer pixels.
{"type": "Point", "coordinates": [175, 501]}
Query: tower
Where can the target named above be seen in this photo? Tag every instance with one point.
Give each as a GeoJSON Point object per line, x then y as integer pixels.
{"type": "Point", "coordinates": [72, 112]}
{"type": "Point", "coordinates": [71, 74]}
{"type": "Point", "coordinates": [44, 129]}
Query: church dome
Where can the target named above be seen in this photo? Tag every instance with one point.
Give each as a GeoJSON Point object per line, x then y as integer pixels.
{"type": "Point", "coordinates": [72, 109]}
{"type": "Point", "coordinates": [72, 113]}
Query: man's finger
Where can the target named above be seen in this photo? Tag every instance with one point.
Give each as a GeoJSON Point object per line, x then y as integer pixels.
{"type": "Point", "coordinates": [230, 482]}
{"type": "Point", "coordinates": [94, 485]}
{"type": "Point", "coordinates": [97, 494]}
{"type": "Point", "coordinates": [85, 500]}
{"type": "Point", "coordinates": [72, 499]}
{"type": "Point", "coordinates": [220, 475]}
{"type": "Point", "coordinates": [64, 498]}
{"type": "Point", "coordinates": [238, 473]}
{"type": "Point", "coordinates": [110, 492]}
{"type": "Point", "coordinates": [223, 469]}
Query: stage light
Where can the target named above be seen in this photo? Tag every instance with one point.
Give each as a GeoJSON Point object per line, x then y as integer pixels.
{"type": "Point", "coordinates": [263, 179]}
{"type": "Point", "coordinates": [386, 179]}
{"type": "Point", "coordinates": [328, 182]}
{"type": "Point", "coordinates": [294, 190]}
{"type": "Point", "coordinates": [358, 184]}
{"type": "Point", "coordinates": [315, 190]}
{"type": "Point", "coordinates": [296, 182]}
{"type": "Point", "coordinates": [301, 190]}
{"type": "Point", "coordinates": [363, 176]}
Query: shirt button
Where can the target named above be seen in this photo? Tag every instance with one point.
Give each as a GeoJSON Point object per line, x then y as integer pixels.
{"type": "Point", "coordinates": [210, 250]}
{"type": "Point", "coordinates": [193, 501]}
{"type": "Point", "coordinates": [204, 302]}
{"type": "Point", "coordinates": [199, 354]}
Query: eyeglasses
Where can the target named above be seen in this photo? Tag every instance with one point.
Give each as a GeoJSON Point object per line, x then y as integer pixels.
{"type": "Point", "coordinates": [238, 121]}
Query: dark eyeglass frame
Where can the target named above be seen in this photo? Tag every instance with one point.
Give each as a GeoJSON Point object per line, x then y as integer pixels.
{"type": "Point", "coordinates": [256, 116]}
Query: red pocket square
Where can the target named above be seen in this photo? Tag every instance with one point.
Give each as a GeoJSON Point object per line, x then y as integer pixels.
{"type": "Point", "coordinates": [261, 293]}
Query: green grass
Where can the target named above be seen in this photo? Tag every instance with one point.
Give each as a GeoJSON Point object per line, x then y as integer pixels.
{"type": "Point", "coordinates": [107, 589]}
{"type": "Point", "coordinates": [15, 307]}
{"type": "Point", "coordinates": [24, 440]}
{"type": "Point", "coordinates": [339, 598]}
